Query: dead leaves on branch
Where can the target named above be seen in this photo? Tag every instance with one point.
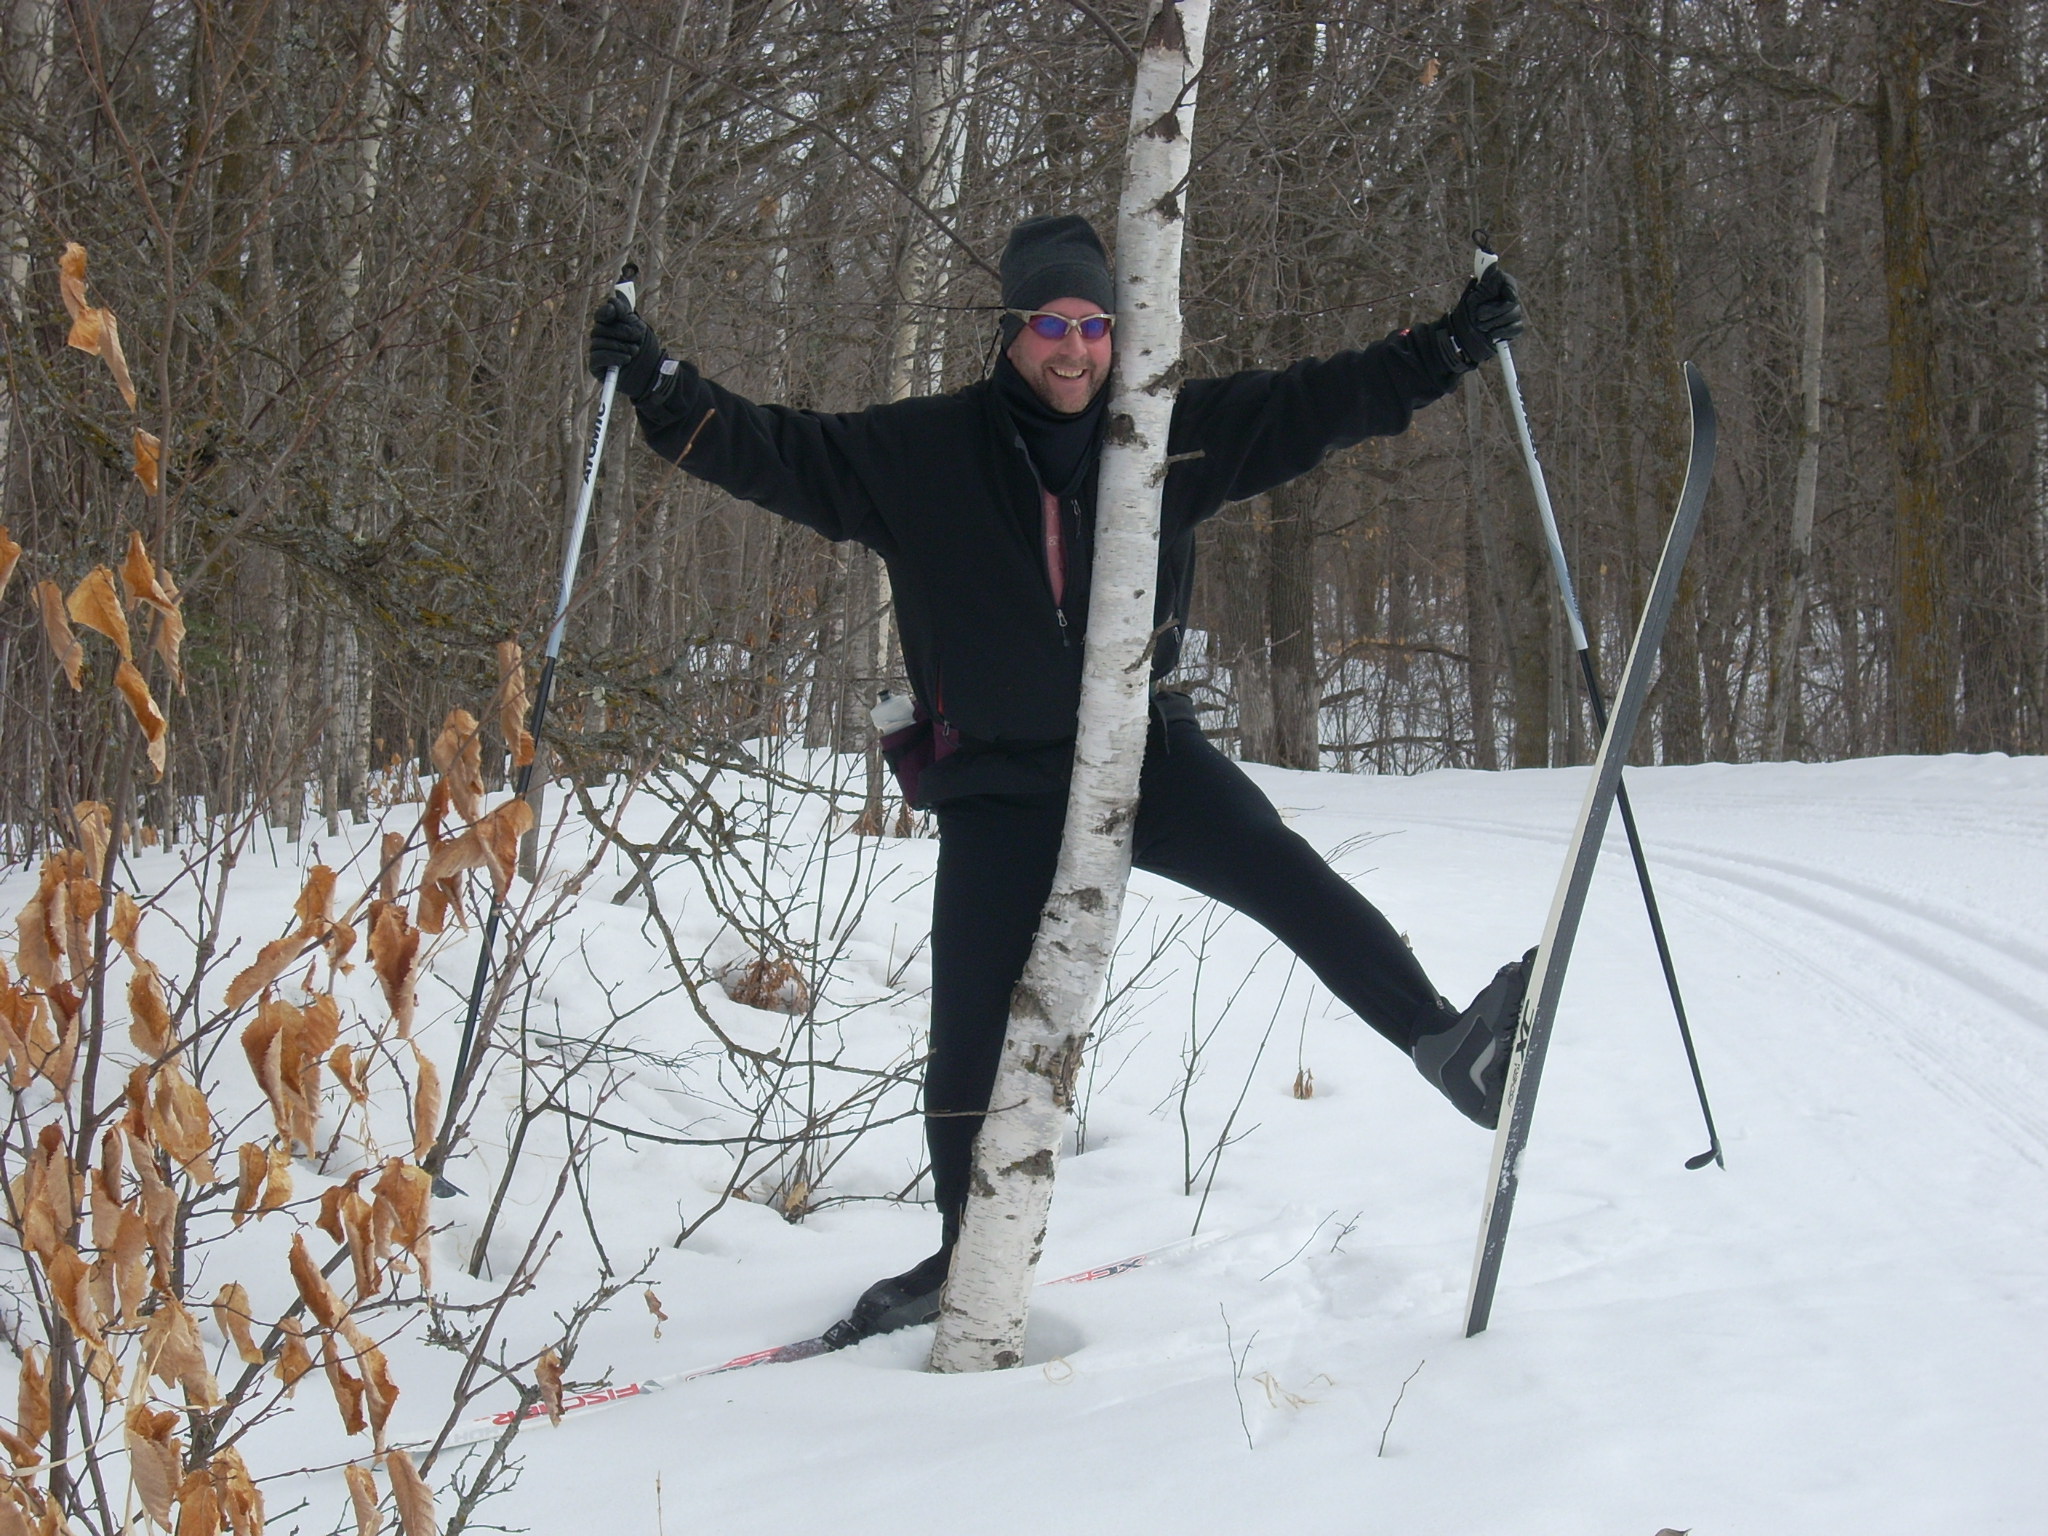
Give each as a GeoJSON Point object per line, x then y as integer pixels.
{"type": "Point", "coordinates": [95, 331]}
{"type": "Point", "coordinates": [96, 604]}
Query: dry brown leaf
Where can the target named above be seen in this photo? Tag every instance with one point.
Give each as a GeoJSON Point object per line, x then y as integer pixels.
{"type": "Point", "coordinates": [547, 1372]}
{"type": "Point", "coordinates": [131, 1268]}
{"type": "Point", "coordinates": [403, 1213]}
{"type": "Point", "coordinates": [232, 1316]}
{"type": "Point", "coordinates": [71, 279]}
{"type": "Point", "coordinates": [410, 1492]}
{"type": "Point", "coordinates": [138, 575]}
{"type": "Point", "coordinates": [458, 753]}
{"type": "Point", "coordinates": [123, 926]}
{"type": "Point", "coordinates": [155, 728]}
{"type": "Point", "coordinates": [341, 940]}
{"type": "Point", "coordinates": [379, 1390]}
{"type": "Point", "coordinates": [198, 1506]}
{"type": "Point", "coordinates": [263, 1044]}
{"type": "Point", "coordinates": [313, 1287]}
{"type": "Point", "coordinates": [358, 1227]}
{"type": "Point", "coordinates": [272, 961]}
{"type": "Point", "coordinates": [348, 1387]}
{"type": "Point", "coordinates": [426, 1105]}
{"type": "Point", "coordinates": [150, 1027]}
{"type": "Point", "coordinates": [341, 1062]}
{"type": "Point", "coordinates": [71, 1289]}
{"type": "Point", "coordinates": [512, 702]}
{"type": "Point", "coordinates": [94, 824]}
{"type": "Point", "coordinates": [87, 323]}
{"type": "Point", "coordinates": [57, 625]}
{"type": "Point", "coordinates": [32, 1403]}
{"type": "Point", "coordinates": [499, 833]}
{"type": "Point", "coordinates": [654, 1305]}
{"type": "Point", "coordinates": [277, 1188]}
{"type": "Point", "coordinates": [316, 896]}
{"type": "Point", "coordinates": [172, 1346]}
{"type": "Point", "coordinates": [362, 1496]}
{"type": "Point", "coordinates": [394, 955]}
{"type": "Point", "coordinates": [82, 902]}
{"type": "Point", "coordinates": [181, 1123]}
{"type": "Point", "coordinates": [95, 604]}
{"type": "Point", "coordinates": [294, 1360]}
{"type": "Point", "coordinates": [251, 1167]}
{"type": "Point", "coordinates": [117, 360]}
{"type": "Point", "coordinates": [149, 458]}
{"type": "Point", "coordinates": [46, 1195]}
{"type": "Point", "coordinates": [148, 583]}
{"type": "Point", "coordinates": [391, 854]}
{"type": "Point", "coordinates": [153, 1456]}
{"type": "Point", "coordinates": [10, 555]}
{"type": "Point", "coordinates": [241, 1501]}
{"type": "Point", "coordinates": [13, 1522]}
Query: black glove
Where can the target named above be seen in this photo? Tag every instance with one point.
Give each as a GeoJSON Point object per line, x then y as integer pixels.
{"type": "Point", "coordinates": [620, 339]}
{"type": "Point", "coordinates": [1488, 313]}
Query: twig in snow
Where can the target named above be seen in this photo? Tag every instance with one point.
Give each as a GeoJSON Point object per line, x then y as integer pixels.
{"type": "Point", "coordinates": [1237, 1372]}
{"type": "Point", "coordinates": [1269, 1274]}
{"type": "Point", "coordinates": [1397, 1405]}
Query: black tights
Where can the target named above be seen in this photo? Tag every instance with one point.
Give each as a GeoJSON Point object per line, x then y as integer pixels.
{"type": "Point", "coordinates": [1201, 823]}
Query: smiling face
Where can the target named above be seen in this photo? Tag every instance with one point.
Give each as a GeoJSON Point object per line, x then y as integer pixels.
{"type": "Point", "coordinates": [1065, 374]}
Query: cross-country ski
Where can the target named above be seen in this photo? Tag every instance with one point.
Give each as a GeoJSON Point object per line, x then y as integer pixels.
{"type": "Point", "coordinates": [1567, 906]}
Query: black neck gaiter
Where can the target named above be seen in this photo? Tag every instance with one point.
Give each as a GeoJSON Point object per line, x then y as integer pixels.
{"type": "Point", "coordinates": [1062, 447]}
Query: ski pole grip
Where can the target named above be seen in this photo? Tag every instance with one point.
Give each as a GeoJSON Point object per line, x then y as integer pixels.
{"type": "Point", "coordinates": [628, 285]}
{"type": "Point", "coordinates": [1483, 255]}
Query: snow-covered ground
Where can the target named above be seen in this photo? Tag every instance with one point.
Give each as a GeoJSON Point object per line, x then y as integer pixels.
{"type": "Point", "coordinates": [1843, 1331]}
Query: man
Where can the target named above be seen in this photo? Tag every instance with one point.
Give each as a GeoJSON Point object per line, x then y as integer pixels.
{"type": "Point", "coordinates": [982, 503]}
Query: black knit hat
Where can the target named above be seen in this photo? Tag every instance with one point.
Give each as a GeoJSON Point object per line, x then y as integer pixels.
{"type": "Point", "coordinates": [1054, 258]}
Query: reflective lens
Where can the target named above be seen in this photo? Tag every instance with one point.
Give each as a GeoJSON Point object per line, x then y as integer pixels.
{"type": "Point", "coordinates": [1055, 327]}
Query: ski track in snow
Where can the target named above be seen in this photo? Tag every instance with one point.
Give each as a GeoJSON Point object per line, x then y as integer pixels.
{"type": "Point", "coordinates": [1983, 1070]}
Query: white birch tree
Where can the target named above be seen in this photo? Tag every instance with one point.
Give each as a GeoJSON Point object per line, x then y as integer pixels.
{"type": "Point", "coordinates": [986, 1298]}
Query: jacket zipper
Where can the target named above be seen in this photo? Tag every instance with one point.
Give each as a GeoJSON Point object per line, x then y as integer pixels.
{"type": "Point", "coordinates": [1054, 538]}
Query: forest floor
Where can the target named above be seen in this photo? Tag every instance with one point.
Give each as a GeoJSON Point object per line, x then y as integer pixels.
{"type": "Point", "coordinates": [1841, 1331]}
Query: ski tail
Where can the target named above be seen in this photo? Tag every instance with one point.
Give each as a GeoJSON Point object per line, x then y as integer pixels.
{"type": "Point", "coordinates": [1539, 1007]}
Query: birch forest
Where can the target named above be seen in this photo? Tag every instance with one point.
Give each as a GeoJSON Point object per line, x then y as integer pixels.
{"type": "Point", "coordinates": [351, 249]}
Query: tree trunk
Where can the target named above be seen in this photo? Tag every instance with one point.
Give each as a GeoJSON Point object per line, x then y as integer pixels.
{"type": "Point", "coordinates": [987, 1294]}
{"type": "Point", "coordinates": [1923, 620]}
{"type": "Point", "coordinates": [1784, 684]}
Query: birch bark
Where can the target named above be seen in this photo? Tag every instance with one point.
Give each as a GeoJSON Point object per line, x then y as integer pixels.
{"type": "Point", "coordinates": [1784, 683]}
{"type": "Point", "coordinates": [987, 1295]}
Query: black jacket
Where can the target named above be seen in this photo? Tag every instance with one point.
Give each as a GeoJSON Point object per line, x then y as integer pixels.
{"type": "Point", "coordinates": [943, 490]}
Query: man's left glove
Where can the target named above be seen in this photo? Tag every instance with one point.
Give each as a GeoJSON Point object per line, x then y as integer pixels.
{"type": "Point", "coordinates": [1488, 313]}
{"type": "Point", "coordinates": [620, 339]}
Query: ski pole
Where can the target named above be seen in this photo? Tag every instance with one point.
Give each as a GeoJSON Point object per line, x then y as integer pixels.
{"type": "Point", "coordinates": [1483, 257]}
{"type": "Point", "coordinates": [536, 720]}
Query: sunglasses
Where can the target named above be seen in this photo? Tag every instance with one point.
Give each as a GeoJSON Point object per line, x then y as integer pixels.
{"type": "Point", "coordinates": [1051, 327]}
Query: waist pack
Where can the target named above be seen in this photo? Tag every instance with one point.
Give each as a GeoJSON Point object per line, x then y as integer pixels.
{"type": "Point", "coordinates": [912, 740]}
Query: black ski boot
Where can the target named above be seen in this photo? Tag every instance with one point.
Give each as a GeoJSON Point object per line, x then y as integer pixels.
{"type": "Point", "coordinates": [1467, 1059]}
{"type": "Point", "coordinates": [901, 1301]}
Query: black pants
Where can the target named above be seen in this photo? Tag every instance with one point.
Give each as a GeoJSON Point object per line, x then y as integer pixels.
{"type": "Point", "coordinates": [1201, 823]}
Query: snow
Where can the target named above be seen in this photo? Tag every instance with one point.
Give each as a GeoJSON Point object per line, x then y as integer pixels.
{"type": "Point", "coordinates": [1840, 1332]}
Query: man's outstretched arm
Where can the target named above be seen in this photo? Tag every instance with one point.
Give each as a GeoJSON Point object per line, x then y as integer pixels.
{"type": "Point", "coordinates": [1259, 429]}
{"type": "Point", "coordinates": [791, 462]}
